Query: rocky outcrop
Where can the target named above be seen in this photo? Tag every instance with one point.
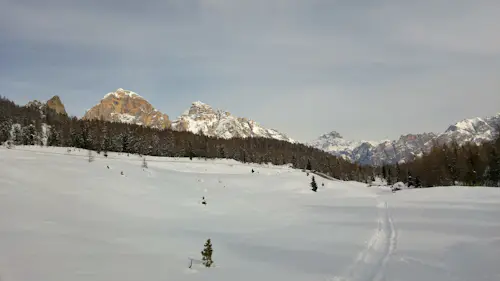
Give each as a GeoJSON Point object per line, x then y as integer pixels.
{"type": "Point", "coordinates": [202, 118]}
{"type": "Point", "coordinates": [56, 104]}
{"type": "Point", "coordinates": [128, 107]}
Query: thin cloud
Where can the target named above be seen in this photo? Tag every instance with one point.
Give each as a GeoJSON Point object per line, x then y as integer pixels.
{"type": "Point", "coordinates": [368, 69]}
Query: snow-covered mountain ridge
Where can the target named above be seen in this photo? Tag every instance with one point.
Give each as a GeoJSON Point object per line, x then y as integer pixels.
{"type": "Point", "coordinates": [129, 107]}
{"type": "Point", "coordinates": [407, 147]}
{"type": "Point", "coordinates": [202, 118]}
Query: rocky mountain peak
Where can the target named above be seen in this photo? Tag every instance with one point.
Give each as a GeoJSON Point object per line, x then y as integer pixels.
{"type": "Point", "coordinates": [407, 147]}
{"type": "Point", "coordinates": [203, 118]}
{"type": "Point", "coordinates": [128, 107]}
{"type": "Point", "coordinates": [56, 104]}
{"type": "Point", "coordinates": [199, 108]}
{"type": "Point", "coordinates": [121, 93]}
{"type": "Point", "coordinates": [332, 135]}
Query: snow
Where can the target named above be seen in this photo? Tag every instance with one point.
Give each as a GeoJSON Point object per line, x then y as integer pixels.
{"type": "Point", "coordinates": [219, 123]}
{"type": "Point", "coordinates": [476, 130]}
{"type": "Point", "coordinates": [469, 124]}
{"type": "Point", "coordinates": [122, 92]}
{"type": "Point", "coordinates": [125, 118]}
{"type": "Point", "coordinates": [67, 219]}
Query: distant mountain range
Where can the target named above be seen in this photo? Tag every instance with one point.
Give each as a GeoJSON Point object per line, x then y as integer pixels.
{"type": "Point", "coordinates": [407, 147]}
{"type": "Point", "coordinates": [129, 107]}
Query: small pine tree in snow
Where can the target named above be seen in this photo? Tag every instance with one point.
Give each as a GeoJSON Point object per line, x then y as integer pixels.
{"type": "Point", "coordinates": [207, 254]}
{"type": "Point", "coordinates": [410, 180]}
{"type": "Point", "coordinates": [418, 183]}
{"type": "Point", "coordinates": [308, 167]}
{"type": "Point", "coordinates": [314, 185]}
{"type": "Point", "coordinates": [493, 171]}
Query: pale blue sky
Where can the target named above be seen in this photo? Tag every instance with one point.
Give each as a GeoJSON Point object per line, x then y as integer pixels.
{"type": "Point", "coordinates": [368, 69]}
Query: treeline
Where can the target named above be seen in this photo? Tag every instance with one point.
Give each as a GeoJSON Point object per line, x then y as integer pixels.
{"type": "Point", "coordinates": [446, 165]}
{"type": "Point", "coordinates": [25, 126]}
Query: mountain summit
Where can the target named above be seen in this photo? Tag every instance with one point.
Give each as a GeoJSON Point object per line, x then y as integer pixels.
{"type": "Point", "coordinates": [407, 147]}
{"type": "Point", "coordinates": [333, 142]}
{"type": "Point", "coordinates": [54, 103]}
{"type": "Point", "coordinates": [202, 118]}
{"type": "Point", "coordinates": [128, 107]}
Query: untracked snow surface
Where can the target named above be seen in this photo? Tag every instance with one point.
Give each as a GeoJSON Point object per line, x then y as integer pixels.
{"type": "Point", "coordinates": [65, 218]}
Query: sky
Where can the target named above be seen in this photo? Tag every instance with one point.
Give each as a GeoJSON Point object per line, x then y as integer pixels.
{"type": "Point", "coordinates": [367, 69]}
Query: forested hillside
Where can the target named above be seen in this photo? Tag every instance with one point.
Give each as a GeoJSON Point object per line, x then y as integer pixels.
{"type": "Point", "coordinates": [470, 164]}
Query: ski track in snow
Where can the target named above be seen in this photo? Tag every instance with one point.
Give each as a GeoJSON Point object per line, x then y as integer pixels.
{"type": "Point", "coordinates": [370, 263]}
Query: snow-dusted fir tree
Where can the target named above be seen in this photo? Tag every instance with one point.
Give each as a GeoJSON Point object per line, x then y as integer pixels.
{"type": "Point", "coordinates": [314, 185]}
{"type": "Point", "coordinates": [410, 181]}
{"type": "Point", "coordinates": [493, 170]}
{"type": "Point", "coordinates": [308, 166]}
{"type": "Point", "coordinates": [207, 254]}
{"type": "Point", "coordinates": [5, 128]}
{"type": "Point", "coordinates": [54, 138]}
{"type": "Point", "coordinates": [105, 140]}
{"type": "Point", "coordinates": [29, 135]}
{"type": "Point", "coordinates": [155, 145]}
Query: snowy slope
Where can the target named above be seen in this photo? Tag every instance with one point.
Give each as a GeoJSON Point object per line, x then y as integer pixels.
{"type": "Point", "coordinates": [201, 117]}
{"type": "Point", "coordinates": [407, 147]}
{"type": "Point", "coordinates": [75, 220]}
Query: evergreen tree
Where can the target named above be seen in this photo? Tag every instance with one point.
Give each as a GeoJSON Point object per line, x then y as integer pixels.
{"type": "Point", "coordinates": [54, 138]}
{"type": "Point", "coordinates": [398, 173]}
{"type": "Point", "coordinates": [5, 128]}
{"type": "Point", "coordinates": [493, 173]}
{"type": "Point", "coordinates": [29, 133]}
{"type": "Point", "coordinates": [207, 254]}
{"type": "Point", "coordinates": [308, 167]}
{"type": "Point", "coordinates": [418, 183]}
{"type": "Point", "coordinates": [410, 180]}
{"type": "Point", "coordinates": [388, 176]}
{"type": "Point", "coordinates": [314, 185]}
{"type": "Point", "coordinates": [105, 140]}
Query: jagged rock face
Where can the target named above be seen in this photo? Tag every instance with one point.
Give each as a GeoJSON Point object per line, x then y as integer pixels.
{"type": "Point", "coordinates": [56, 104]}
{"type": "Point", "coordinates": [202, 118]}
{"type": "Point", "coordinates": [407, 147]}
{"type": "Point", "coordinates": [476, 130]}
{"type": "Point", "coordinates": [128, 107]}
{"type": "Point", "coordinates": [333, 142]}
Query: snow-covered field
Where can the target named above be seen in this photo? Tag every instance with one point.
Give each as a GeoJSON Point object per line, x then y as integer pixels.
{"type": "Point", "coordinates": [63, 218]}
